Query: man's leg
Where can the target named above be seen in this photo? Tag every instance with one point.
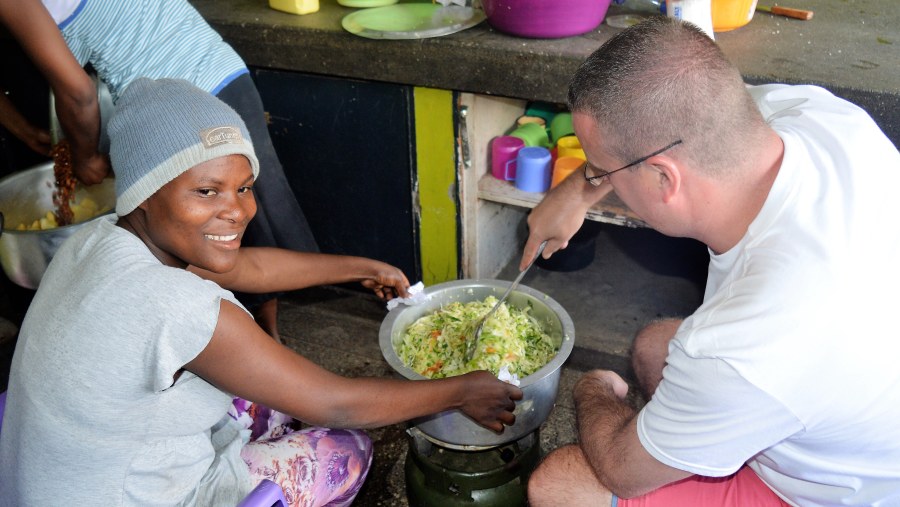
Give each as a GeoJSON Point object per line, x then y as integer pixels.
{"type": "Point", "coordinates": [743, 488]}
{"type": "Point", "coordinates": [565, 478]}
{"type": "Point", "coordinates": [649, 351]}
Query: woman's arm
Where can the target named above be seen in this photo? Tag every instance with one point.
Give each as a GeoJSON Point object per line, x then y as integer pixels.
{"type": "Point", "coordinates": [75, 93]}
{"type": "Point", "coordinates": [263, 270]}
{"type": "Point", "coordinates": [243, 360]}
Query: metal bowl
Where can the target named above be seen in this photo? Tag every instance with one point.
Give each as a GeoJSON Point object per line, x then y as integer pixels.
{"type": "Point", "coordinates": [452, 428]}
{"type": "Point", "coordinates": [26, 196]}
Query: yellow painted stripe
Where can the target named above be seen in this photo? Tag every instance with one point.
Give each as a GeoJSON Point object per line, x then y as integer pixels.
{"type": "Point", "coordinates": [436, 166]}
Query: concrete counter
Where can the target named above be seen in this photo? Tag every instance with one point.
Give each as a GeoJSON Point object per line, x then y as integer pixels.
{"type": "Point", "coordinates": [851, 47]}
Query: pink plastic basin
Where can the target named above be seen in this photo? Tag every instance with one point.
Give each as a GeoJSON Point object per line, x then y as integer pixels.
{"type": "Point", "coordinates": [545, 19]}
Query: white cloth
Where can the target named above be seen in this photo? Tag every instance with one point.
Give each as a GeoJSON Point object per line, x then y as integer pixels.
{"type": "Point", "coordinates": [506, 376]}
{"type": "Point", "coordinates": [93, 414]}
{"type": "Point", "coordinates": [416, 296]}
{"type": "Point", "coordinates": [790, 363]}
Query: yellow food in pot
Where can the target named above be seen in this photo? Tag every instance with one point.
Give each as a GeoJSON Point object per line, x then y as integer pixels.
{"type": "Point", "coordinates": [82, 211]}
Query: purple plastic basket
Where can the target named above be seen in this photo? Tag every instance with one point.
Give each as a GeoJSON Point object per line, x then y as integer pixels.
{"type": "Point", "coordinates": [545, 19]}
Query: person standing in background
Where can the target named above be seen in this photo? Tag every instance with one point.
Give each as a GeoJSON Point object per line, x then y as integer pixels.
{"type": "Point", "coordinates": [123, 41]}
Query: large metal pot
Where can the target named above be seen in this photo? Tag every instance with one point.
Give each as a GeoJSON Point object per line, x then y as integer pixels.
{"type": "Point", "coordinates": [452, 428]}
{"type": "Point", "coordinates": [26, 196]}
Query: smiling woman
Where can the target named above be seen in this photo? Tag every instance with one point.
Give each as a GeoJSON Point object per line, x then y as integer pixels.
{"type": "Point", "coordinates": [149, 348]}
{"type": "Point", "coordinates": [192, 210]}
{"type": "Point", "coordinates": [203, 214]}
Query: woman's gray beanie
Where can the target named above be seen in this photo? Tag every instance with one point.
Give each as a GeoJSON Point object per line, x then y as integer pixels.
{"type": "Point", "coordinates": [163, 127]}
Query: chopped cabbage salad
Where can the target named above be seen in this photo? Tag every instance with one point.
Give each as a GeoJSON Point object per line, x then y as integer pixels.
{"type": "Point", "coordinates": [435, 345]}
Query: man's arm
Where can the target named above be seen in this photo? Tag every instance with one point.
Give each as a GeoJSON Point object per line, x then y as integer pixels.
{"type": "Point", "coordinates": [560, 214]}
{"type": "Point", "coordinates": [607, 429]}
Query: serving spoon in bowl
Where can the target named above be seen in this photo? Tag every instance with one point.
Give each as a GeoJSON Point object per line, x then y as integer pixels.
{"type": "Point", "coordinates": [473, 343]}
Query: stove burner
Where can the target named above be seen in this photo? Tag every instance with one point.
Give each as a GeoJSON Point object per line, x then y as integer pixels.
{"type": "Point", "coordinates": [439, 476]}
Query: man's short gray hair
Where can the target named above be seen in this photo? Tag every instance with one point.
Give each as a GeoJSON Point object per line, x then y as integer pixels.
{"type": "Point", "coordinates": [663, 80]}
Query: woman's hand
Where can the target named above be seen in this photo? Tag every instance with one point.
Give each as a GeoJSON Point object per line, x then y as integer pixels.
{"type": "Point", "coordinates": [489, 401]}
{"type": "Point", "coordinates": [386, 281]}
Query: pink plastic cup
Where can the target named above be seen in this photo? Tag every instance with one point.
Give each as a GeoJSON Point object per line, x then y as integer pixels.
{"type": "Point", "coordinates": [504, 150]}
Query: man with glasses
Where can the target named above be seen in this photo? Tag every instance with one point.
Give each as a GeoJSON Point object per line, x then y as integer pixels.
{"type": "Point", "coordinates": [782, 388]}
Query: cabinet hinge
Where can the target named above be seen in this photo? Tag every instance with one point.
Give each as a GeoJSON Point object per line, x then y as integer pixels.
{"type": "Point", "coordinates": [463, 137]}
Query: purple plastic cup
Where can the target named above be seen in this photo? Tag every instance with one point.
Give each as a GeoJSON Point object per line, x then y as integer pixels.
{"type": "Point", "coordinates": [503, 157]}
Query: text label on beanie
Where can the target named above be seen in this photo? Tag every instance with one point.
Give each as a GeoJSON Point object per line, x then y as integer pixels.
{"type": "Point", "coordinates": [220, 135]}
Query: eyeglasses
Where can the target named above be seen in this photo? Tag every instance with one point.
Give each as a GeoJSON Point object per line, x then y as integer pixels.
{"type": "Point", "coordinates": [596, 180]}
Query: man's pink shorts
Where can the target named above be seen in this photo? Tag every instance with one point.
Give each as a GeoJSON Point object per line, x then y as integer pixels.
{"type": "Point", "coordinates": [743, 488]}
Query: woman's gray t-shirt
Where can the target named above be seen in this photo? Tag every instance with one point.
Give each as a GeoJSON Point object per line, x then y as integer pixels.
{"type": "Point", "coordinates": [93, 413]}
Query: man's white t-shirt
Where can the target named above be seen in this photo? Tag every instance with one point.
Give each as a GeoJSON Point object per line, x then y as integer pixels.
{"type": "Point", "coordinates": [790, 363]}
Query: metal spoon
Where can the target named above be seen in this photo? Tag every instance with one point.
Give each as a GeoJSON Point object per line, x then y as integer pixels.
{"type": "Point", "coordinates": [473, 343]}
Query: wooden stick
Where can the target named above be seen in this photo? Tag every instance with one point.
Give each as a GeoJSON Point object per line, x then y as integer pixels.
{"type": "Point", "coordinates": [792, 13]}
{"type": "Point", "coordinates": [787, 12]}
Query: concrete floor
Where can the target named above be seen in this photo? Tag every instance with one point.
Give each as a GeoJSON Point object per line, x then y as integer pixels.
{"type": "Point", "coordinates": [636, 275]}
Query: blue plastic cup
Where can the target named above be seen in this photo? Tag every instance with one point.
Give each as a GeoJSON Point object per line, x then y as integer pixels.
{"type": "Point", "coordinates": [533, 171]}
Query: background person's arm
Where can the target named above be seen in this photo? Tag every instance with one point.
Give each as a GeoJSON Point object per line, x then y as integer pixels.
{"type": "Point", "coordinates": [75, 93]}
{"type": "Point", "coordinates": [37, 139]}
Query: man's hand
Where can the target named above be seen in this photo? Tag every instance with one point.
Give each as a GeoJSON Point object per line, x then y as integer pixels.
{"type": "Point", "coordinates": [559, 215]}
